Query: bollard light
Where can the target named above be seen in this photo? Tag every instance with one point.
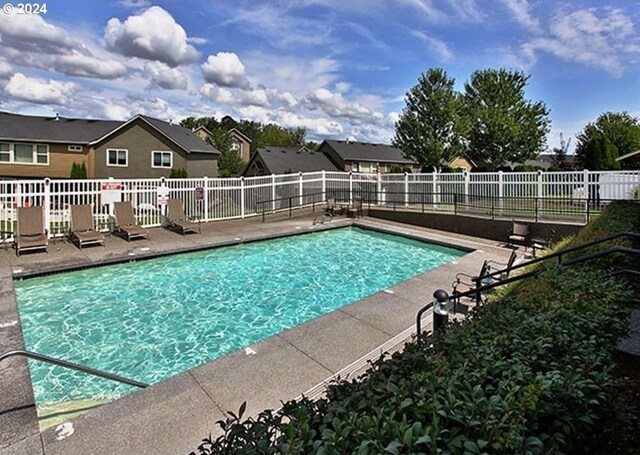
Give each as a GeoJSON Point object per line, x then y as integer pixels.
{"type": "Point", "coordinates": [440, 310]}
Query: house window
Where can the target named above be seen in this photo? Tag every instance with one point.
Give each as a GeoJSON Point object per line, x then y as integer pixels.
{"type": "Point", "coordinates": [24, 153]}
{"type": "Point", "coordinates": [117, 157]}
{"type": "Point", "coordinates": [5, 152]}
{"type": "Point", "coordinates": [75, 148]}
{"type": "Point", "coordinates": [367, 167]}
{"type": "Point", "coordinates": [162, 159]}
{"type": "Point", "coordinates": [235, 145]}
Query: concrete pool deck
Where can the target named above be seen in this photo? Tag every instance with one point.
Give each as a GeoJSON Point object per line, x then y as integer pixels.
{"type": "Point", "coordinates": [174, 415]}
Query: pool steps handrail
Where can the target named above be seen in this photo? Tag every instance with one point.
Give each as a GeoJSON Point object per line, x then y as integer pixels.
{"type": "Point", "coordinates": [73, 366]}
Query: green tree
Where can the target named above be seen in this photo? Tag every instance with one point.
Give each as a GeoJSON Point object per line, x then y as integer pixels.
{"type": "Point", "coordinates": [560, 156]}
{"type": "Point", "coordinates": [500, 124]}
{"type": "Point", "coordinates": [178, 173]}
{"type": "Point", "coordinates": [78, 171]}
{"type": "Point", "coordinates": [621, 130]}
{"type": "Point", "coordinates": [428, 130]}
{"type": "Point", "coordinates": [274, 135]}
{"type": "Point", "coordinates": [599, 154]}
{"type": "Point", "coordinates": [229, 162]}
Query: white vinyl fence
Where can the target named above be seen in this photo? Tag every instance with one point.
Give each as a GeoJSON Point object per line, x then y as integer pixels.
{"type": "Point", "coordinates": [568, 195]}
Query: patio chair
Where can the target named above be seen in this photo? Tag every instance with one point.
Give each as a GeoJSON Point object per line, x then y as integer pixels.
{"type": "Point", "coordinates": [178, 220]}
{"type": "Point", "coordinates": [330, 209]}
{"type": "Point", "coordinates": [82, 226]}
{"type": "Point", "coordinates": [126, 221]}
{"type": "Point", "coordinates": [519, 234]}
{"type": "Point", "coordinates": [32, 234]}
{"type": "Point", "coordinates": [541, 244]}
{"type": "Point", "coordinates": [488, 267]}
{"type": "Point", "coordinates": [355, 210]}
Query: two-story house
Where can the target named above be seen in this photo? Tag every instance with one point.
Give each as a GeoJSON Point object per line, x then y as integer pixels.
{"type": "Point", "coordinates": [142, 147]}
{"type": "Point", "coordinates": [240, 143]}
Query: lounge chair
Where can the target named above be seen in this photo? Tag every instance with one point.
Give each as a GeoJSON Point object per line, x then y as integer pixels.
{"type": "Point", "coordinates": [82, 226]}
{"type": "Point", "coordinates": [482, 279]}
{"type": "Point", "coordinates": [126, 221]}
{"type": "Point", "coordinates": [32, 234]}
{"type": "Point", "coordinates": [541, 244]}
{"type": "Point", "coordinates": [330, 209]}
{"type": "Point", "coordinates": [355, 210]}
{"type": "Point", "coordinates": [178, 220]}
{"type": "Point", "coordinates": [519, 233]}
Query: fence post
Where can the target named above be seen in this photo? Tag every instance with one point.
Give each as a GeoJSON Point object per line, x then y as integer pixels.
{"type": "Point", "coordinates": [241, 197]}
{"type": "Point", "coordinates": [435, 198]}
{"type": "Point", "coordinates": [273, 193]}
{"type": "Point", "coordinates": [378, 188]}
{"type": "Point", "coordinates": [540, 195]}
{"type": "Point", "coordinates": [406, 189]}
{"type": "Point", "coordinates": [324, 185]}
{"type": "Point", "coordinates": [47, 205]}
{"type": "Point", "coordinates": [205, 201]}
{"type": "Point", "coordinates": [350, 187]}
{"type": "Point", "coordinates": [467, 179]}
{"type": "Point", "coordinates": [500, 191]}
{"type": "Point", "coordinates": [300, 189]}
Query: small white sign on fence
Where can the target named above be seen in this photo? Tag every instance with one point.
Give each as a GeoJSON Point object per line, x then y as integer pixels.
{"type": "Point", "coordinates": [110, 192]}
{"type": "Point", "coordinates": [162, 195]}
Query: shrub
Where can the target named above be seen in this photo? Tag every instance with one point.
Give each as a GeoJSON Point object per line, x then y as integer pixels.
{"type": "Point", "coordinates": [527, 373]}
{"type": "Point", "coordinates": [178, 173]}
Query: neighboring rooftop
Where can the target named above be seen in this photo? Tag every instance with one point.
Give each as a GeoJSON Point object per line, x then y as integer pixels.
{"type": "Point", "coordinates": [282, 160]}
{"type": "Point", "coordinates": [53, 129]}
{"type": "Point", "coordinates": [364, 151]}
{"type": "Point", "coordinates": [17, 127]}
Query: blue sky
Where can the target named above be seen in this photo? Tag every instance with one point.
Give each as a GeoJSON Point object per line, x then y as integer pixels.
{"type": "Point", "coordinates": [338, 68]}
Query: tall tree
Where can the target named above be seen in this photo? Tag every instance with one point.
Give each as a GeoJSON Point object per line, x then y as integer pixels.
{"type": "Point", "coordinates": [500, 124]}
{"type": "Point", "coordinates": [274, 135]}
{"type": "Point", "coordinates": [428, 130]}
{"type": "Point", "coordinates": [621, 129]}
{"type": "Point", "coordinates": [599, 154]}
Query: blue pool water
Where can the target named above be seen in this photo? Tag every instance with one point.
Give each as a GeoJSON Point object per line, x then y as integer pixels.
{"type": "Point", "coordinates": [151, 319]}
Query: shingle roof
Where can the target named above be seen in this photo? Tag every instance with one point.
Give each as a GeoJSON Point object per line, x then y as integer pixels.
{"type": "Point", "coordinates": [364, 151]}
{"type": "Point", "coordinates": [182, 136]}
{"type": "Point", "coordinates": [84, 131]}
{"type": "Point", "coordinates": [48, 129]}
{"type": "Point", "coordinates": [281, 160]}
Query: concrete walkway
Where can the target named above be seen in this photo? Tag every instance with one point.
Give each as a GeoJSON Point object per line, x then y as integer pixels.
{"type": "Point", "coordinates": [174, 415]}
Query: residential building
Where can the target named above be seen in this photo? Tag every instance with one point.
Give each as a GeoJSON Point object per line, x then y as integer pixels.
{"type": "Point", "coordinates": [239, 142]}
{"type": "Point", "coordinates": [283, 160]}
{"type": "Point", "coordinates": [142, 147]}
{"type": "Point", "coordinates": [365, 157]}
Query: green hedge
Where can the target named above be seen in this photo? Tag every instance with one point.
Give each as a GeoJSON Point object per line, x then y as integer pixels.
{"type": "Point", "coordinates": [528, 373]}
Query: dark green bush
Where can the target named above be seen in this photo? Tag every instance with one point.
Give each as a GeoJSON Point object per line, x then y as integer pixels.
{"type": "Point", "coordinates": [527, 373]}
{"type": "Point", "coordinates": [178, 173]}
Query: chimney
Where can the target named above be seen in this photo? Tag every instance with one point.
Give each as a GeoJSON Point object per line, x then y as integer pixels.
{"type": "Point", "coordinates": [170, 121]}
{"type": "Point", "coordinates": [57, 117]}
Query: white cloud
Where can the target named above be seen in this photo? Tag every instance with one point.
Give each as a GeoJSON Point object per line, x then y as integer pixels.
{"type": "Point", "coordinates": [38, 90]}
{"type": "Point", "coordinates": [224, 69]}
{"type": "Point", "coordinates": [217, 94]}
{"type": "Point", "coordinates": [608, 41]}
{"type": "Point", "coordinates": [334, 104]}
{"type": "Point", "coordinates": [436, 45]}
{"type": "Point", "coordinates": [151, 35]}
{"type": "Point", "coordinates": [134, 4]}
{"type": "Point", "coordinates": [6, 70]}
{"type": "Point", "coordinates": [76, 64]}
{"type": "Point", "coordinates": [393, 118]}
{"type": "Point", "coordinates": [162, 76]}
{"type": "Point", "coordinates": [29, 40]}
{"type": "Point", "coordinates": [521, 11]}
{"type": "Point", "coordinates": [257, 97]}
{"type": "Point", "coordinates": [286, 98]}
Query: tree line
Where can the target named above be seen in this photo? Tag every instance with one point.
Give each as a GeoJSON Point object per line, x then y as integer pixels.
{"type": "Point", "coordinates": [492, 123]}
{"type": "Point", "coordinates": [261, 135]}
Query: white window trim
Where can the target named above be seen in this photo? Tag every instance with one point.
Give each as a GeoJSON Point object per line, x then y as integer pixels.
{"type": "Point", "coordinates": [34, 154]}
{"type": "Point", "coordinates": [162, 151]}
{"type": "Point", "coordinates": [126, 151]}
{"type": "Point", "coordinates": [75, 148]}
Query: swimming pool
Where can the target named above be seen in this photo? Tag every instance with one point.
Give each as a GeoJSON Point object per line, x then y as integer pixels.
{"type": "Point", "coordinates": [151, 319]}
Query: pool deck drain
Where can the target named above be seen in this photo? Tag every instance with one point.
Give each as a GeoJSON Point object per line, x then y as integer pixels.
{"type": "Point", "coordinates": [174, 415]}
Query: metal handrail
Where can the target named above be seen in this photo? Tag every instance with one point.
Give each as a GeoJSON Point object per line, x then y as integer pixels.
{"type": "Point", "coordinates": [478, 290]}
{"type": "Point", "coordinates": [73, 366]}
{"type": "Point", "coordinates": [559, 254]}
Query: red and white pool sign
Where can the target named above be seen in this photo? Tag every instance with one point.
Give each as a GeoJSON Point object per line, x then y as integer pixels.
{"type": "Point", "coordinates": [111, 186]}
